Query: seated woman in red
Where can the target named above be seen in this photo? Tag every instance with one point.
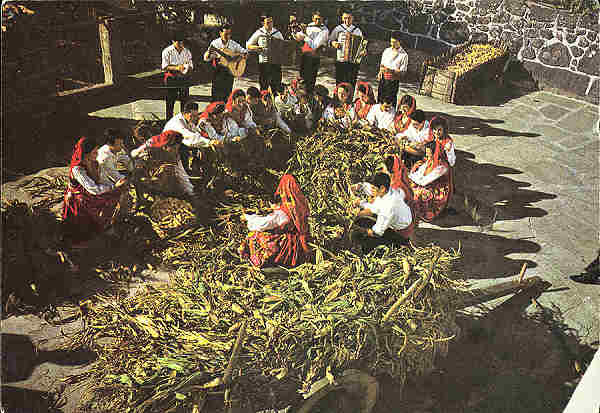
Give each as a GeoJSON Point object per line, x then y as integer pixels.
{"type": "Point", "coordinates": [406, 106]}
{"type": "Point", "coordinates": [89, 207]}
{"type": "Point", "coordinates": [364, 102]}
{"type": "Point", "coordinates": [431, 179]}
{"type": "Point", "coordinates": [280, 238]}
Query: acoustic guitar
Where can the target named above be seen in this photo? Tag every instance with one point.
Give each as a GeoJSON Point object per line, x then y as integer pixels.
{"type": "Point", "coordinates": [234, 62]}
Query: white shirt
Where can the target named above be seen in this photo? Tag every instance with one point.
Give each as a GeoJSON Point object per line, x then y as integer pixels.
{"type": "Point", "coordinates": [339, 35]}
{"type": "Point", "coordinates": [261, 38]}
{"type": "Point", "coordinates": [276, 219]}
{"type": "Point", "coordinates": [395, 59]}
{"type": "Point", "coordinates": [286, 104]}
{"type": "Point", "coordinates": [170, 56]}
{"type": "Point", "coordinates": [421, 179]}
{"type": "Point", "coordinates": [230, 130]}
{"type": "Point", "coordinates": [108, 165]}
{"type": "Point", "coordinates": [381, 119]}
{"type": "Point", "coordinates": [346, 121]}
{"type": "Point", "coordinates": [182, 177]}
{"type": "Point", "coordinates": [218, 43]}
{"type": "Point", "coordinates": [315, 36]}
{"type": "Point", "coordinates": [81, 176]}
{"type": "Point", "coordinates": [248, 121]}
{"type": "Point", "coordinates": [192, 136]}
{"type": "Point", "coordinates": [416, 136]}
{"type": "Point", "coordinates": [391, 210]}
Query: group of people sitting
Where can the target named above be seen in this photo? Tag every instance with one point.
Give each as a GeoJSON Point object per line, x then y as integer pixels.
{"type": "Point", "coordinates": [415, 184]}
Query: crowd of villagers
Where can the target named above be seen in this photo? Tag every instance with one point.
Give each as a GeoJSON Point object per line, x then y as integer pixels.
{"type": "Point", "coordinates": [415, 184]}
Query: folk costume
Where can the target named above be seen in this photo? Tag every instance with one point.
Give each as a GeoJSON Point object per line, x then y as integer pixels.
{"type": "Point", "coordinates": [396, 60]}
{"type": "Point", "coordinates": [224, 130]}
{"type": "Point", "coordinates": [158, 158]}
{"type": "Point", "coordinates": [338, 112]}
{"type": "Point", "coordinates": [345, 70]}
{"type": "Point", "coordinates": [222, 78]}
{"type": "Point", "coordinates": [402, 120]}
{"type": "Point", "coordinates": [265, 113]}
{"type": "Point", "coordinates": [89, 207]}
{"type": "Point", "coordinates": [362, 108]}
{"type": "Point", "coordinates": [269, 73]}
{"type": "Point", "coordinates": [315, 38]}
{"type": "Point", "coordinates": [240, 113]}
{"type": "Point", "coordinates": [175, 80]}
{"type": "Point", "coordinates": [432, 179]}
{"type": "Point", "coordinates": [280, 238]}
{"type": "Point", "coordinates": [401, 182]}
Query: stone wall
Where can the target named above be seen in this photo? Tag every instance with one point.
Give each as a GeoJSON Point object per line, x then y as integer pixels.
{"type": "Point", "coordinates": [558, 48]}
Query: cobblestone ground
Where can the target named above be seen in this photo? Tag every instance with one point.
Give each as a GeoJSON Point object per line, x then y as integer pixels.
{"type": "Point", "coordinates": [528, 164]}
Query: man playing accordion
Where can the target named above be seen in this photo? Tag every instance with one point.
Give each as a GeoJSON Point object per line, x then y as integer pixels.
{"type": "Point", "coordinates": [341, 39]}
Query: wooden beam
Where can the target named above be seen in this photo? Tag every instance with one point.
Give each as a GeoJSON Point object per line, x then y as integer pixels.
{"type": "Point", "coordinates": [110, 44]}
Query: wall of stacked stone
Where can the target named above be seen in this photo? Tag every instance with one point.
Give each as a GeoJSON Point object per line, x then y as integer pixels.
{"type": "Point", "coordinates": [558, 48]}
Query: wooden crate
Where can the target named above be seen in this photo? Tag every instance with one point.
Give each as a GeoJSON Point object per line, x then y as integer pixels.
{"type": "Point", "coordinates": [448, 86]}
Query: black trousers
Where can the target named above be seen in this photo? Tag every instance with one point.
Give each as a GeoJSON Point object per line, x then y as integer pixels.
{"type": "Point", "coordinates": [222, 84]}
{"type": "Point", "coordinates": [181, 94]}
{"type": "Point", "coordinates": [269, 74]}
{"type": "Point", "coordinates": [368, 244]}
{"type": "Point", "coordinates": [309, 67]}
{"type": "Point", "coordinates": [346, 72]}
{"type": "Point", "coordinates": [388, 88]}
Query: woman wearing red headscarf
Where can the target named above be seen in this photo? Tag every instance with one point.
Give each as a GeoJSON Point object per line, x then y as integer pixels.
{"type": "Point", "coordinates": [238, 109]}
{"type": "Point", "coordinates": [216, 124]}
{"type": "Point", "coordinates": [341, 110]}
{"type": "Point", "coordinates": [163, 149]}
{"type": "Point", "coordinates": [89, 207]}
{"type": "Point", "coordinates": [432, 178]}
{"type": "Point", "coordinates": [406, 106]}
{"type": "Point", "coordinates": [365, 100]}
{"type": "Point", "coordinates": [280, 238]}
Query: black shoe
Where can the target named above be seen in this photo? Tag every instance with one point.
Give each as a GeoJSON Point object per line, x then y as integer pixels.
{"type": "Point", "coordinates": [586, 278]}
{"type": "Point", "coordinates": [451, 211]}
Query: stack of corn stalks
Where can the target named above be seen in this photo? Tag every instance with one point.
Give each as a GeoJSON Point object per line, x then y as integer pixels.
{"type": "Point", "coordinates": [389, 312]}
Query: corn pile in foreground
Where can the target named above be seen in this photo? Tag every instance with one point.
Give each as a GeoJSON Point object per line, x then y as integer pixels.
{"type": "Point", "coordinates": [167, 346]}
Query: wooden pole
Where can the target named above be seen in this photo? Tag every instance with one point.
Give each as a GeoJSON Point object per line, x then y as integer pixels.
{"type": "Point", "coordinates": [522, 273]}
{"type": "Point", "coordinates": [110, 44]}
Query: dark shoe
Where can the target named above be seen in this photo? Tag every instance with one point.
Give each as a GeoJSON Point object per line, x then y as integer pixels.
{"type": "Point", "coordinates": [586, 278]}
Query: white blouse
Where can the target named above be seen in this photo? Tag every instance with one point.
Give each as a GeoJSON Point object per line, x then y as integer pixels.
{"type": "Point", "coordinates": [421, 179]}
{"type": "Point", "coordinates": [395, 59]}
{"type": "Point", "coordinates": [346, 121]}
{"type": "Point", "coordinates": [381, 119]}
{"type": "Point", "coordinates": [391, 210]}
{"type": "Point", "coordinates": [108, 165]}
{"type": "Point", "coordinates": [192, 136]}
{"type": "Point", "coordinates": [276, 219]}
{"type": "Point", "coordinates": [415, 136]}
{"type": "Point", "coordinates": [81, 176]}
{"type": "Point", "coordinates": [315, 36]}
{"type": "Point", "coordinates": [230, 130]}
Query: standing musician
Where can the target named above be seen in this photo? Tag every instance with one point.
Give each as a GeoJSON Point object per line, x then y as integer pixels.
{"type": "Point", "coordinates": [177, 63]}
{"type": "Point", "coordinates": [222, 79]}
{"type": "Point", "coordinates": [393, 66]}
{"type": "Point", "coordinates": [315, 37]}
{"type": "Point", "coordinates": [345, 70]}
{"type": "Point", "coordinates": [269, 73]}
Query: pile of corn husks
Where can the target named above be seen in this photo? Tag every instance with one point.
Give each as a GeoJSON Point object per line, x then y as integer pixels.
{"type": "Point", "coordinates": [168, 347]}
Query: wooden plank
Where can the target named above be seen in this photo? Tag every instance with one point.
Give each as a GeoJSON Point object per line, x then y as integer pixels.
{"type": "Point", "coordinates": [110, 44]}
{"type": "Point", "coordinates": [499, 290]}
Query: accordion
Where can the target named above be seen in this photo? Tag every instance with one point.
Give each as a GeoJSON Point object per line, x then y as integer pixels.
{"type": "Point", "coordinates": [355, 47]}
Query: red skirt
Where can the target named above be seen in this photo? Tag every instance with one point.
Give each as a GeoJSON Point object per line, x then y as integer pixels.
{"type": "Point", "coordinates": [431, 200]}
{"type": "Point", "coordinates": [265, 249]}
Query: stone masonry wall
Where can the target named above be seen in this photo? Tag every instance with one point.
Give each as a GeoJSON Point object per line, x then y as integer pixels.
{"type": "Point", "coordinates": [558, 48]}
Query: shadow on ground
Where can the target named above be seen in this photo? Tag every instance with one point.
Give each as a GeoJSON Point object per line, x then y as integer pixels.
{"type": "Point", "coordinates": [504, 361]}
{"type": "Point", "coordinates": [19, 400]}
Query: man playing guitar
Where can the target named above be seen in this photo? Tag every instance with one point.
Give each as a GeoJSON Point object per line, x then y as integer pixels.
{"type": "Point", "coordinates": [177, 64]}
{"type": "Point", "coordinates": [269, 73]}
{"type": "Point", "coordinates": [345, 71]}
{"type": "Point", "coordinates": [222, 78]}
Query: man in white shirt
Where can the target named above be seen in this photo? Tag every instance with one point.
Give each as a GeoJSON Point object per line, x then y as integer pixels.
{"type": "Point", "coordinates": [186, 123]}
{"type": "Point", "coordinates": [394, 216]}
{"type": "Point", "coordinates": [269, 73]}
{"type": "Point", "coordinates": [177, 64]}
{"type": "Point", "coordinates": [222, 78]}
{"type": "Point", "coordinates": [111, 156]}
{"type": "Point", "coordinates": [382, 115]}
{"type": "Point", "coordinates": [315, 37]}
{"type": "Point", "coordinates": [417, 134]}
{"type": "Point", "coordinates": [345, 70]}
{"type": "Point", "coordinates": [393, 67]}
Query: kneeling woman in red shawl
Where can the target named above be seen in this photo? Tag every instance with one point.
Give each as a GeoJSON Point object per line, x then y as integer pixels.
{"type": "Point", "coordinates": [280, 238]}
{"type": "Point", "coordinates": [364, 102]}
{"type": "Point", "coordinates": [432, 178]}
{"type": "Point", "coordinates": [89, 207]}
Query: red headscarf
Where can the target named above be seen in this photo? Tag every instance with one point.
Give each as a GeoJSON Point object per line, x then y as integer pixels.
{"type": "Point", "coordinates": [77, 156]}
{"type": "Point", "coordinates": [399, 126]}
{"type": "Point", "coordinates": [439, 154]}
{"type": "Point", "coordinates": [295, 205]}
{"type": "Point", "coordinates": [210, 109]}
{"type": "Point", "coordinates": [361, 108]}
{"type": "Point", "coordinates": [348, 88]}
{"type": "Point", "coordinates": [229, 104]}
{"type": "Point", "coordinates": [165, 138]}
{"type": "Point", "coordinates": [294, 87]}
{"type": "Point", "coordinates": [400, 179]}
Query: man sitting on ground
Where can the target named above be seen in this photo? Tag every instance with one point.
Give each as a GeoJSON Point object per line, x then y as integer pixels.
{"type": "Point", "coordinates": [394, 216]}
{"type": "Point", "coordinates": [382, 115]}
